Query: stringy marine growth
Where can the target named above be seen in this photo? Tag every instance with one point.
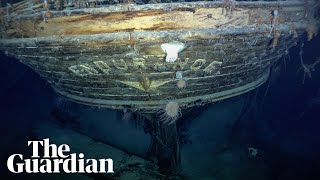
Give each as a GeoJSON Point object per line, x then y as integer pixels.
{"type": "Point", "coordinates": [307, 68]}
{"type": "Point", "coordinates": [228, 6]}
{"type": "Point", "coordinates": [170, 113]}
{"type": "Point", "coordinates": [47, 13]}
{"type": "Point", "coordinates": [127, 115]}
{"type": "Point", "coordinates": [274, 22]}
{"type": "Point", "coordinates": [312, 30]}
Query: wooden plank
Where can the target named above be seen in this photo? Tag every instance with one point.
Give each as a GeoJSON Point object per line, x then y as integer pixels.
{"type": "Point", "coordinates": [102, 20]}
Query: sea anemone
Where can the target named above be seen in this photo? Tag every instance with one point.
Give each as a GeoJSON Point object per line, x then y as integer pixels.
{"type": "Point", "coordinates": [170, 113]}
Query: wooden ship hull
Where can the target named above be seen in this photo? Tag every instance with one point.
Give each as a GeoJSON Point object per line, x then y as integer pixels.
{"type": "Point", "coordinates": [143, 57]}
{"type": "Point", "coordinates": [112, 56]}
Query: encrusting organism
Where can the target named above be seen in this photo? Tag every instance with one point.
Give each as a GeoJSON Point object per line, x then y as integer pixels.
{"type": "Point", "coordinates": [172, 49]}
{"type": "Point", "coordinates": [170, 113]}
{"type": "Point", "coordinates": [286, 56]}
{"type": "Point", "coordinates": [307, 68]}
{"type": "Point", "coordinates": [181, 84]}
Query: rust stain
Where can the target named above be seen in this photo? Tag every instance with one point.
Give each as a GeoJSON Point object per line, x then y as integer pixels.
{"type": "Point", "coordinates": [131, 39]}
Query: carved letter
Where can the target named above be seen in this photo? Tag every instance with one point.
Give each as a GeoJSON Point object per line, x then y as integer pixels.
{"type": "Point", "coordinates": [83, 70]}
{"type": "Point", "coordinates": [181, 64]}
{"type": "Point", "coordinates": [197, 64]}
{"type": "Point", "coordinates": [120, 64]}
{"type": "Point", "coordinates": [139, 63]}
{"type": "Point", "coordinates": [102, 66]}
{"type": "Point", "coordinates": [213, 68]}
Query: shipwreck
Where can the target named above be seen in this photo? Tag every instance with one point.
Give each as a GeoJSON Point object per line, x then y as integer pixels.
{"type": "Point", "coordinates": [154, 58]}
{"type": "Point", "coordinates": [117, 56]}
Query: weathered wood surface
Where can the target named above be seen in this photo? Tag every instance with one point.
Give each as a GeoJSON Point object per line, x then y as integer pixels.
{"type": "Point", "coordinates": [156, 17]}
{"type": "Point", "coordinates": [111, 56]}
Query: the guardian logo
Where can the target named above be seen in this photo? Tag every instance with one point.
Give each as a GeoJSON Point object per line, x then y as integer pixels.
{"type": "Point", "coordinates": [59, 159]}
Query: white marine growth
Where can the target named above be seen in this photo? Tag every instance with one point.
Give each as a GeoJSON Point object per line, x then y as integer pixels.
{"type": "Point", "coordinates": [172, 49]}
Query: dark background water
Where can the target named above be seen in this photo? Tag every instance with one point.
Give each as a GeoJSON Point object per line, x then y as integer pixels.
{"type": "Point", "coordinates": [282, 117]}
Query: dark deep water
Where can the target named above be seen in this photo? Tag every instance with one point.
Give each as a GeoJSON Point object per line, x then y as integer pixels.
{"type": "Point", "coordinates": [281, 119]}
